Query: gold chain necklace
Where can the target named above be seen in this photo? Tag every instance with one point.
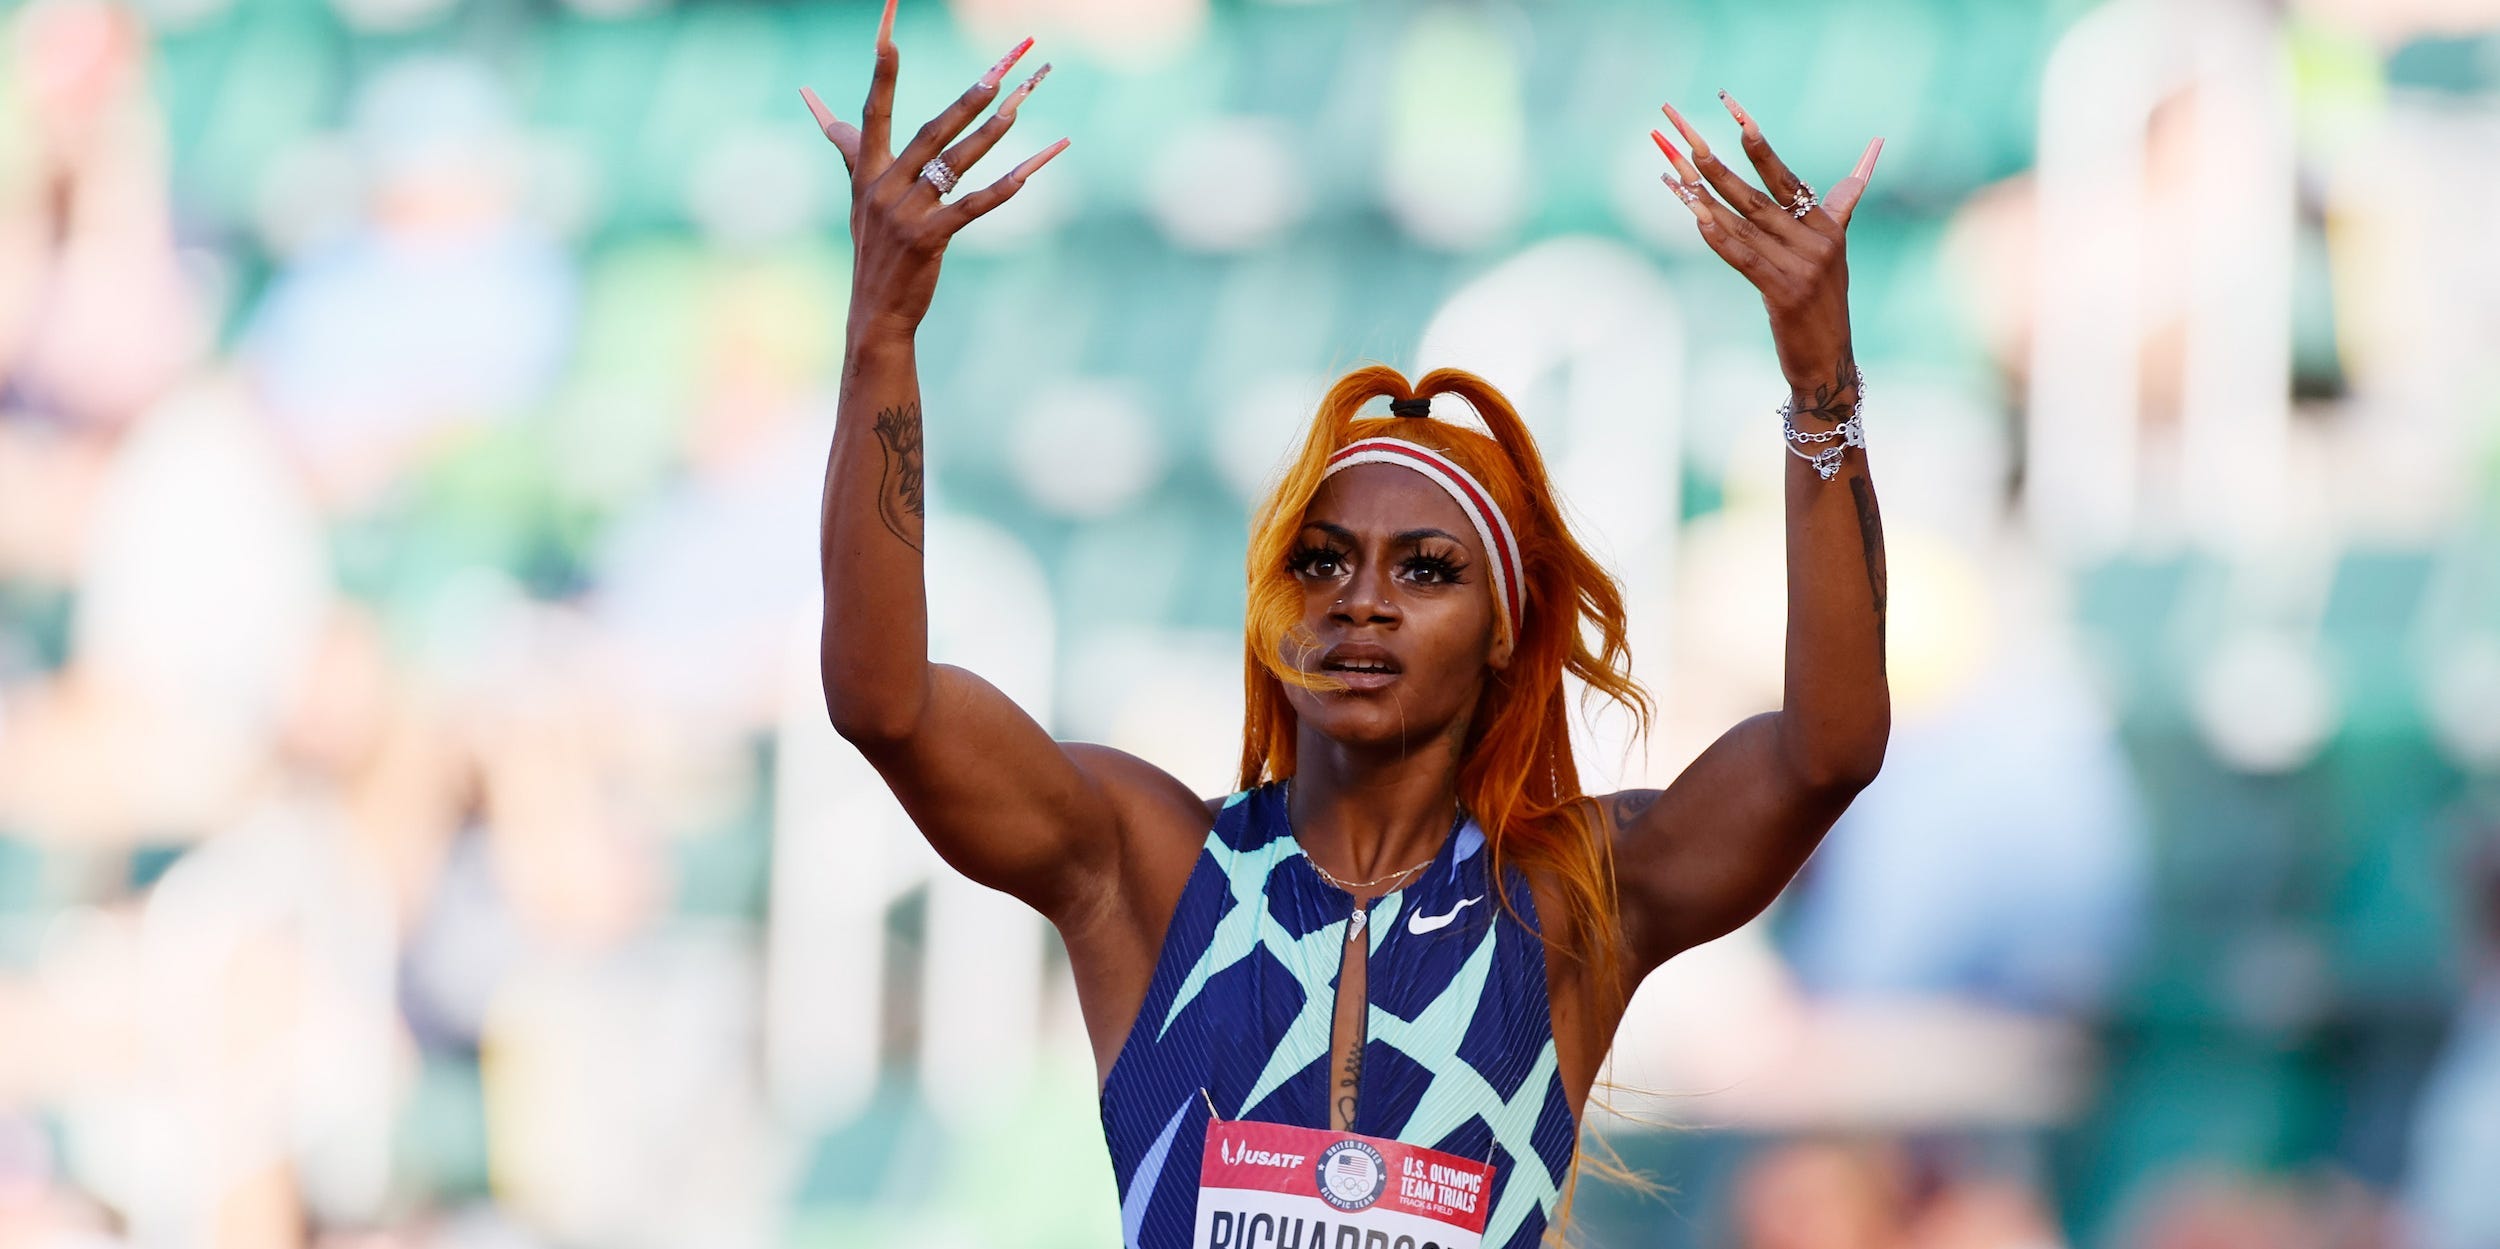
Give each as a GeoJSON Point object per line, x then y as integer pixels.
{"type": "Point", "coordinates": [1349, 887]}
{"type": "Point", "coordinates": [1361, 914]}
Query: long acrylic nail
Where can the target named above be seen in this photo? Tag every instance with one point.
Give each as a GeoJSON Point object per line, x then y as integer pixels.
{"type": "Point", "coordinates": [885, 26]}
{"type": "Point", "coordinates": [1007, 107]}
{"type": "Point", "coordinates": [1666, 147]}
{"type": "Point", "coordinates": [1701, 146]}
{"type": "Point", "coordinates": [1039, 159]}
{"type": "Point", "coordinates": [1025, 88]}
{"type": "Point", "coordinates": [1007, 62]}
{"type": "Point", "coordinates": [1683, 191]}
{"type": "Point", "coordinates": [1736, 110]}
{"type": "Point", "coordinates": [1866, 163]}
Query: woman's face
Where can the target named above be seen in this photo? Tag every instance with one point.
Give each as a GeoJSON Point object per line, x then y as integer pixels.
{"type": "Point", "coordinates": [1397, 602]}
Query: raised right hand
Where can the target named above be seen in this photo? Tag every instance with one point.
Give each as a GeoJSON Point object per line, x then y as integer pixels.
{"type": "Point", "coordinates": [900, 224]}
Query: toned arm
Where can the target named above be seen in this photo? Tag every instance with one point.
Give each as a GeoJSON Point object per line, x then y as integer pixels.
{"type": "Point", "coordinates": [994, 794]}
{"type": "Point", "coordinates": [1709, 852]}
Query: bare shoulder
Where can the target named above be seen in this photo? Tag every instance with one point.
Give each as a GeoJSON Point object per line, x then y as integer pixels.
{"type": "Point", "coordinates": [1634, 824]}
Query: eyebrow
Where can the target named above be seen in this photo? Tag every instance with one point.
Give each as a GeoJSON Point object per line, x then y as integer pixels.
{"type": "Point", "coordinates": [1404, 537]}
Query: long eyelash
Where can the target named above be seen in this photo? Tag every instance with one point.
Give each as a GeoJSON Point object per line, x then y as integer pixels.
{"type": "Point", "coordinates": [1440, 566]}
{"type": "Point", "coordinates": [1302, 557]}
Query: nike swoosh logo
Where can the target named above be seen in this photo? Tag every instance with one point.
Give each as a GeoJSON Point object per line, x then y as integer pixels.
{"type": "Point", "coordinates": [1422, 923]}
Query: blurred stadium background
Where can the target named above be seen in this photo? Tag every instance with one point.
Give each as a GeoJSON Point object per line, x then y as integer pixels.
{"type": "Point", "coordinates": [418, 826]}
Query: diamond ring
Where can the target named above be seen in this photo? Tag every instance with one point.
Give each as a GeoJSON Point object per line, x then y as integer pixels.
{"type": "Point", "coordinates": [1803, 203]}
{"type": "Point", "coordinates": [936, 174]}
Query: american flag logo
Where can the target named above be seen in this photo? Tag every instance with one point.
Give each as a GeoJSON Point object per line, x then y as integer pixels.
{"type": "Point", "coordinates": [1352, 1175]}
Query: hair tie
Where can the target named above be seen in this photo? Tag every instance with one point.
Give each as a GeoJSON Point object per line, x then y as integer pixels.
{"type": "Point", "coordinates": [1420, 405]}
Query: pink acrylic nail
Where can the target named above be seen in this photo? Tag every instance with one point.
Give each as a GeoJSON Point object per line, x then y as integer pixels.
{"type": "Point", "coordinates": [1006, 62]}
{"type": "Point", "coordinates": [1701, 147]}
{"type": "Point", "coordinates": [1735, 109]}
{"type": "Point", "coordinates": [1039, 159]}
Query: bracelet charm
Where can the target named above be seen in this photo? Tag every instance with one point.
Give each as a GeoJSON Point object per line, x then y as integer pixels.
{"type": "Point", "coordinates": [1849, 433]}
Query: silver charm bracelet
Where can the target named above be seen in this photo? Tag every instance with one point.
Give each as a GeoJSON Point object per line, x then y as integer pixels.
{"type": "Point", "coordinates": [1849, 433]}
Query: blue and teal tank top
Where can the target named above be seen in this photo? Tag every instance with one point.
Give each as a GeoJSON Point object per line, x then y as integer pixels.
{"type": "Point", "coordinates": [1458, 1050]}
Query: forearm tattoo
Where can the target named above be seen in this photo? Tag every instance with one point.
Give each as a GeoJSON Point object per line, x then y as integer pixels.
{"type": "Point", "coordinates": [898, 496]}
{"type": "Point", "coordinates": [1836, 399]}
{"type": "Point", "coordinates": [1871, 538]}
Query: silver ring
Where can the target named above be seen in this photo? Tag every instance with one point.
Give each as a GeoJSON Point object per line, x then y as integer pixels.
{"type": "Point", "coordinates": [936, 174]}
{"type": "Point", "coordinates": [1804, 203]}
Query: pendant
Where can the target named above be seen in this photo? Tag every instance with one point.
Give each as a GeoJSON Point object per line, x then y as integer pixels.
{"type": "Point", "coordinates": [1354, 926]}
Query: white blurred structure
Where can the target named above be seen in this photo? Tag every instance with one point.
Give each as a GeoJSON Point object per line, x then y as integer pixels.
{"type": "Point", "coordinates": [1586, 339]}
{"type": "Point", "coordinates": [2160, 235]}
{"type": "Point", "coordinates": [845, 852]}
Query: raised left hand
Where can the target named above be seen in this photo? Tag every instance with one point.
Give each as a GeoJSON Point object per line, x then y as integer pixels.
{"type": "Point", "coordinates": [1798, 261]}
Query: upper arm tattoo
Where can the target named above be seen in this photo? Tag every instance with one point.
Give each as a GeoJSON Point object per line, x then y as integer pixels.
{"type": "Point", "coordinates": [899, 501]}
{"type": "Point", "coordinates": [1625, 807]}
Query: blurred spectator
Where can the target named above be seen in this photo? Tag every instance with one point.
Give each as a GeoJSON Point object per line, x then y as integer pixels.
{"type": "Point", "coordinates": [37, 1211]}
{"type": "Point", "coordinates": [97, 316]}
{"type": "Point", "coordinates": [1985, 1214]}
{"type": "Point", "coordinates": [1824, 1196]}
{"type": "Point", "coordinates": [440, 308]}
{"type": "Point", "coordinates": [2000, 857]}
{"type": "Point", "coordinates": [1881, 1194]}
{"type": "Point", "coordinates": [201, 589]}
{"type": "Point", "coordinates": [2221, 1209]}
{"type": "Point", "coordinates": [2452, 1194]}
{"type": "Point", "coordinates": [698, 585]}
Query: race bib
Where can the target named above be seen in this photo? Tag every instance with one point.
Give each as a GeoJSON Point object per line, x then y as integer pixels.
{"type": "Point", "coordinates": [1267, 1186]}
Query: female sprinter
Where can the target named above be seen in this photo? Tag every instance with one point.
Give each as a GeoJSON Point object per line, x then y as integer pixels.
{"type": "Point", "coordinates": [1325, 948]}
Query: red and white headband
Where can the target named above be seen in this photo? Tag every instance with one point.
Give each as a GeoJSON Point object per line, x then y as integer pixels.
{"type": "Point", "coordinates": [1492, 528]}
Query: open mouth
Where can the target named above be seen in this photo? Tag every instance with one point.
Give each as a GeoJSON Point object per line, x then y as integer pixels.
{"type": "Point", "coordinates": [1360, 671]}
